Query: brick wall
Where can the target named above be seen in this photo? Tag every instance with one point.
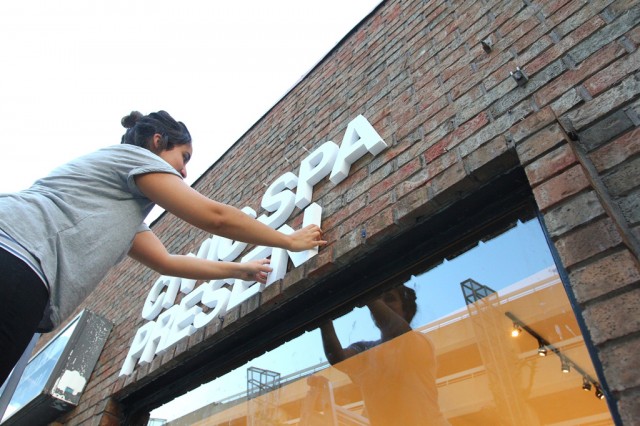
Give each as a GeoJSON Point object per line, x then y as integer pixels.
{"type": "Point", "coordinates": [453, 117]}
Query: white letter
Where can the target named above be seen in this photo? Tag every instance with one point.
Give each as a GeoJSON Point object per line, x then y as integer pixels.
{"type": "Point", "coordinates": [312, 216]}
{"type": "Point", "coordinates": [312, 169]}
{"type": "Point", "coordinates": [181, 325]}
{"type": "Point", "coordinates": [280, 257]}
{"type": "Point", "coordinates": [359, 138]}
{"type": "Point", "coordinates": [159, 332]}
{"type": "Point", "coordinates": [280, 200]}
{"type": "Point", "coordinates": [155, 299]}
{"type": "Point", "coordinates": [242, 290]}
{"type": "Point", "coordinates": [209, 248]}
{"type": "Point", "coordinates": [137, 346]}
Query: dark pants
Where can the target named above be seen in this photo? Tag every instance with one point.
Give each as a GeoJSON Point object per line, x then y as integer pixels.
{"type": "Point", "coordinates": [23, 298]}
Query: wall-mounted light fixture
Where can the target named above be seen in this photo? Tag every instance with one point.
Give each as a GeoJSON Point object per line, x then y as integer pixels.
{"type": "Point", "coordinates": [542, 349]}
{"type": "Point", "coordinates": [544, 346]}
{"type": "Point", "coordinates": [515, 332]}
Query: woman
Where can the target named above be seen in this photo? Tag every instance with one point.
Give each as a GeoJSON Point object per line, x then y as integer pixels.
{"type": "Point", "coordinates": [60, 237]}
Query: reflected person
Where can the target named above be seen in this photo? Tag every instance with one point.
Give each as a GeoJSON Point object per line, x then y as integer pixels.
{"type": "Point", "coordinates": [397, 373]}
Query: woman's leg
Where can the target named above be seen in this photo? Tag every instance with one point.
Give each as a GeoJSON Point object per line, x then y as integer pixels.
{"type": "Point", "coordinates": [23, 298]}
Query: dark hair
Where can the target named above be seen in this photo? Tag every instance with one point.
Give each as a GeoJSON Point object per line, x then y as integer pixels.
{"type": "Point", "coordinates": [141, 128]}
{"type": "Point", "coordinates": [408, 297]}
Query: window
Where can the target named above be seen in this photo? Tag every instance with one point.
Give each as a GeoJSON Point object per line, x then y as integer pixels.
{"type": "Point", "coordinates": [54, 378]}
{"type": "Point", "coordinates": [493, 339]}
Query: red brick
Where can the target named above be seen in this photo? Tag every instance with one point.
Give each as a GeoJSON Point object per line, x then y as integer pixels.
{"type": "Point", "coordinates": [587, 242]}
{"type": "Point", "coordinates": [551, 7]}
{"type": "Point", "coordinates": [613, 74]}
{"type": "Point", "coordinates": [532, 124]}
{"type": "Point", "coordinates": [380, 227]}
{"type": "Point", "coordinates": [440, 164]}
{"type": "Point", "coordinates": [446, 183]}
{"type": "Point", "coordinates": [616, 152]}
{"type": "Point", "coordinates": [541, 142]}
{"type": "Point", "coordinates": [614, 318]}
{"type": "Point", "coordinates": [386, 185]}
{"type": "Point", "coordinates": [364, 214]}
{"type": "Point", "coordinates": [605, 275]}
{"type": "Point", "coordinates": [525, 18]}
{"type": "Point", "coordinates": [601, 106]}
{"type": "Point", "coordinates": [629, 406]}
{"type": "Point", "coordinates": [410, 184]}
{"type": "Point", "coordinates": [488, 160]}
{"type": "Point", "coordinates": [560, 11]}
{"type": "Point", "coordinates": [634, 35]}
{"type": "Point", "coordinates": [332, 222]}
{"type": "Point", "coordinates": [430, 104]}
{"type": "Point", "coordinates": [549, 165]}
{"type": "Point", "coordinates": [271, 295]}
{"type": "Point", "coordinates": [436, 150]}
{"type": "Point", "coordinates": [560, 187]}
{"type": "Point", "coordinates": [319, 265]}
{"type": "Point", "coordinates": [566, 43]}
{"type": "Point", "coordinates": [570, 78]}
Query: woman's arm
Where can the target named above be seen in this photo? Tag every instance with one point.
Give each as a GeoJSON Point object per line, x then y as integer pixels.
{"type": "Point", "coordinates": [333, 350]}
{"type": "Point", "coordinates": [149, 250]}
{"type": "Point", "coordinates": [172, 194]}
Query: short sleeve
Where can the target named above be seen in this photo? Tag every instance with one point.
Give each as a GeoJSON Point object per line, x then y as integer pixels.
{"type": "Point", "coordinates": [143, 228]}
{"type": "Point", "coordinates": [153, 164]}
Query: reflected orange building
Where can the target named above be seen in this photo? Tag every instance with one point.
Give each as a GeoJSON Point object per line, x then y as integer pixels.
{"type": "Point", "coordinates": [484, 375]}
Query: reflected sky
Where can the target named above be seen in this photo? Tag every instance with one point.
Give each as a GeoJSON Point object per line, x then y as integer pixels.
{"type": "Point", "coordinates": [38, 371]}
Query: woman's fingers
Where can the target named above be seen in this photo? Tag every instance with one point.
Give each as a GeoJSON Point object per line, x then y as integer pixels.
{"type": "Point", "coordinates": [308, 237]}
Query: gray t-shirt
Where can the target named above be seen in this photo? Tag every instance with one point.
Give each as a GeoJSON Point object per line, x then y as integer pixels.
{"type": "Point", "coordinates": [81, 220]}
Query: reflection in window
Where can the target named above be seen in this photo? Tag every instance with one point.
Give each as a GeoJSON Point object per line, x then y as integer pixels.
{"type": "Point", "coordinates": [454, 362]}
{"type": "Point", "coordinates": [38, 370]}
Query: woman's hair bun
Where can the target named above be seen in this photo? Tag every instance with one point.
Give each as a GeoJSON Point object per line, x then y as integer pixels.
{"type": "Point", "coordinates": [130, 120]}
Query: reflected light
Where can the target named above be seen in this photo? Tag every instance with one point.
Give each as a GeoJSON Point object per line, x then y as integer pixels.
{"type": "Point", "coordinates": [542, 349]}
{"type": "Point", "coordinates": [515, 332]}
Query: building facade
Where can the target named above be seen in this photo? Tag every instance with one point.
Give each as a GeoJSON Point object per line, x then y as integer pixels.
{"type": "Point", "coordinates": [452, 121]}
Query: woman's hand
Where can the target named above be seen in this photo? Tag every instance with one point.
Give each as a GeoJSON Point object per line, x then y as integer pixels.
{"type": "Point", "coordinates": [306, 238]}
{"type": "Point", "coordinates": [255, 270]}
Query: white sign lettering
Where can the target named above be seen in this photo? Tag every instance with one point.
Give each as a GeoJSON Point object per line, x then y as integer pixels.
{"type": "Point", "coordinates": [177, 322]}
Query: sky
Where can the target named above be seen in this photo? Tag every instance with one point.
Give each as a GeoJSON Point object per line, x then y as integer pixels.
{"type": "Point", "coordinates": [71, 69]}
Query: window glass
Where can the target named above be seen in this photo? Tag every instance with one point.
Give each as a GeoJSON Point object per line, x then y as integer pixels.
{"type": "Point", "coordinates": [38, 370]}
{"type": "Point", "coordinates": [437, 347]}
